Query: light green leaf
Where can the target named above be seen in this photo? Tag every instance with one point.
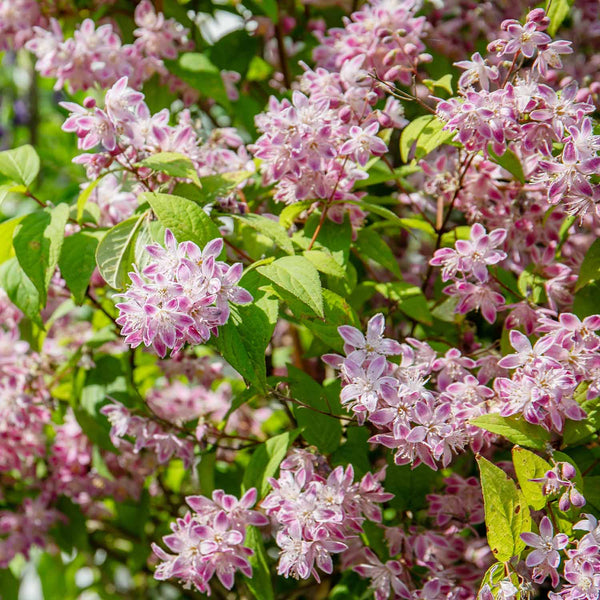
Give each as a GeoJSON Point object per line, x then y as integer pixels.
{"type": "Point", "coordinates": [183, 217]}
{"type": "Point", "coordinates": [443, 83]}
{"type": "Point", "coordinates": [530, 466]}
{"type": "Point", "coordinates": [297, 276]}
{"type": "Point", "coordinates": [265, 462]}
{"type": "Point", "coordinates": [37, 241]}
{"type": "Point", "coordinates": [515, 430]}
{"type": "Point", "coordinates": [531, 285]}
{"type": "Point", "coordinates": [425, 134]}
{"type": "Point", "coordinates": [325, 263]}
{"type": "Point", "coordinates": [557, 13]}
{"type": "Point", "coordinates": [84, 196]}
{"type": "Point", "coordinates": [506, 512]}
{"type": "Point", "coordinates": [7, 229]}
{"type": "Point", "coordinates": [20, 165]}
{"type": "Point", "coordinates": [173, 164]}
{"type": "Point", "coordinates": [510, 162]}
{"type": "Point", "coordinates": [20, 289]}
{"type": "Point", "coordinates": [272, 229]}
{"type": "Point", "coordinates": [115, 253]}
{"type": "Point", "coordinates": [260, 583]}
{"type": "Point", "coordinates": [409, 299]}
{"type": "Point", "coordinates": [290, 213]}
{"type": "Point", "coordinates": [78, 260]}
{"type": "Point", "coordinates": [590, 267]}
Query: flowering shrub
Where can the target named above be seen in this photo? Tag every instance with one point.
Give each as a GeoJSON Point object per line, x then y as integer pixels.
{"type": "Point", "coordinates": [299, 300]}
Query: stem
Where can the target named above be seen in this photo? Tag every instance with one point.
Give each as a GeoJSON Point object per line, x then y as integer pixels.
{"type": "Point", "coordinates": [510, 70]}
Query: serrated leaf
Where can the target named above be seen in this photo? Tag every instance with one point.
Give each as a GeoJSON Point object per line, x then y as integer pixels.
{"type": "Point", "coordinates": [297, 276]}
{"type": "Point", "coordinates": [115, 253]}
{"type": "Point", "coordinates": [517, 431]}
{"type": "Point", "coordinates": [271, 229]}
{"type": "Point", "coordinates": [265, 462]}
{"type": "Point", "coordinates": [37, 242]}
{"type": "Point", "coordinates": [20, 165]}
{"type": "Point", "coordinates": [173, 164]}
{"type": "Point", "coordinates": [325, 263]}
{"type": "Point", "coordinates": [78, 260]}
{"type": "Point", "coordinates": [183, 217]}
{"type": "Point", "coordinates": [506, 512]}
{"type": "Point", "coordinates": [530, 466]}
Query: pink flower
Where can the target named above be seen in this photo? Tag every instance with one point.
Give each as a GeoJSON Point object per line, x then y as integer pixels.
{"type": "Point", "coordinates": [546, 545]}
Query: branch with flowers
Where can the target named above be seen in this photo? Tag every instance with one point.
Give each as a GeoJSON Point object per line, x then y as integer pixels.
{"type": "Point", "coordinates": [304, 307]}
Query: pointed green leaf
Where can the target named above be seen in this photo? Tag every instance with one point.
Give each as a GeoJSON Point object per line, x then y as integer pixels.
{"type": "Point", "coordinates": [530, 466]}
{"type": "Point", "coordinates": [271, 229]}
{"type": "Point", "coordinates": [20, 165]}
{"type": "Point", "coordinates": [506, 512]}
{"type": "Point", "coordinates": [173, 164]}
{"type": "Point", "coordinates": [515, 430]}
{"type": "Point", "coordinates": [297, 276]}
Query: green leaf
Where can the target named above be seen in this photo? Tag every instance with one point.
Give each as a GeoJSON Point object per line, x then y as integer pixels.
{"type": "Point", "coordinates": [409, 299]}
{"type": "Point", "coordinates": [84, 196]}
{"type": "Point", "coordinates": [510, 162]}
{"type": "Point", "coordinates": [443, 83]}
{"type": "Point", "coordinates": [530, 466]}
{"type": "Point", "coordinates": [409, 485]}
{"type": "Point", "coordinates": [371, 245]}
{"type": "Point", "coordinates": [290, 213]}
{"type": "Point", "coordinates": [271, 229]}
{"type": "Point", "coordinates": [115, 253]}
{"type": "Point", "coordinates": [9, 585]}
{"type": "Point", "coordinates": [260, 583]}
{"type": "Point", "coordinates": [578, 431]}
{"type": "Point", "coordinates": [265, 462]}
{"type": "Point", "coordinates": [323, 431]}
{"type": "Point", "coordinates": [325, 263]}
{"type": "Point", "coordinates": [37, 241]}
{"type": "Point", "coordinates": [78, 260]}
{"type": "Point", "coordinates": [354, 451]}
{"type": "Point", "coordinates": [173, 164]}
{"type": "Point", "coordinates": [7, 229]}
{"type": "Point", "coordinates": [296, 275]}
{"type": "Point", "coordinates": [586, 300]}
{"type": "Point", "coordinates": [590, 267]}
{"type": "Point", "coordinates": [592, 490]}
{"type": "Point", "coordinates": [20, 165]}
{"type": "Point", "coordinates": [198, 71]}
{"type": "Point", "coordinates": [506, 512]}
{"type": "Point", "coordinates": [515, 430]}
{"type": "Point", "coordinates": [557, 13]}
{"type": "Point", "coordinates": [531, 286]}
{"type": "Point", "coordinates": [183, 217]}
{"type": "Point", "coordinates": [242, 341]}
{"type": "Point", "coordinates": [425, 134]}
{"type": "Point", "coordinates": [20, 290]}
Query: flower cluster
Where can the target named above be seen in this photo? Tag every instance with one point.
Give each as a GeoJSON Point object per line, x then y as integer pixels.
{"type": "Point", "coordinates": [548, 374]}
{"type": "Point", "coordinates": [470, 259]}
{"type": "Point", "coordinates": [420, 424]}
{"type": "Point", "coordinates": [181, 296]}
{"type": "Point", "coordinates": [560, 478]}
{"type": "Point", "coordinates": [316, 515]}
{"type": "Point", "coordinates": [210, 541]}
{"type": "Point", "coordinates": [97, 55]}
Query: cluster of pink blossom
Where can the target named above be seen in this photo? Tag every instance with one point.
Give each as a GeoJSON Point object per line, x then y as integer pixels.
{"type": "Point", "coordinates": [17, 20]}
{"type": "Point", "coordinates": [528, 117]}
{"type": "Point", "coordinates": [125, 132]}
{"type": "Point", "coordinates": [422, 425]}
{"type": "Point", "coordinates": [467, 266]}
{"type": "Point", "coordinates": [442, 561]}
{"type": "Point", "coordinates": [317, 511]}
{"type": "Point", "coordinates": [162, 440]}
{"type": "Point", "coordinates": [210, 541]}
{"type": "Point", "coordinates": [548, 374]}
{"type": "Point", "coordinates": [97, 56]}
{"type": "Point", "coordinates": [386, 35]}
{"type": "Point", "coordinates": [317, 145]}
{"type": "Point", "coordinates": [181, 296]}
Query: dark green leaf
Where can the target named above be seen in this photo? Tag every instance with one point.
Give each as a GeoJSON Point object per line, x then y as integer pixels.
{"type": "Point", "coordinates": [370, 245]}
{"type": "Point", "coordinates": [260, 583]}
{"type": "Point", "coordinates": [509, 161]}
